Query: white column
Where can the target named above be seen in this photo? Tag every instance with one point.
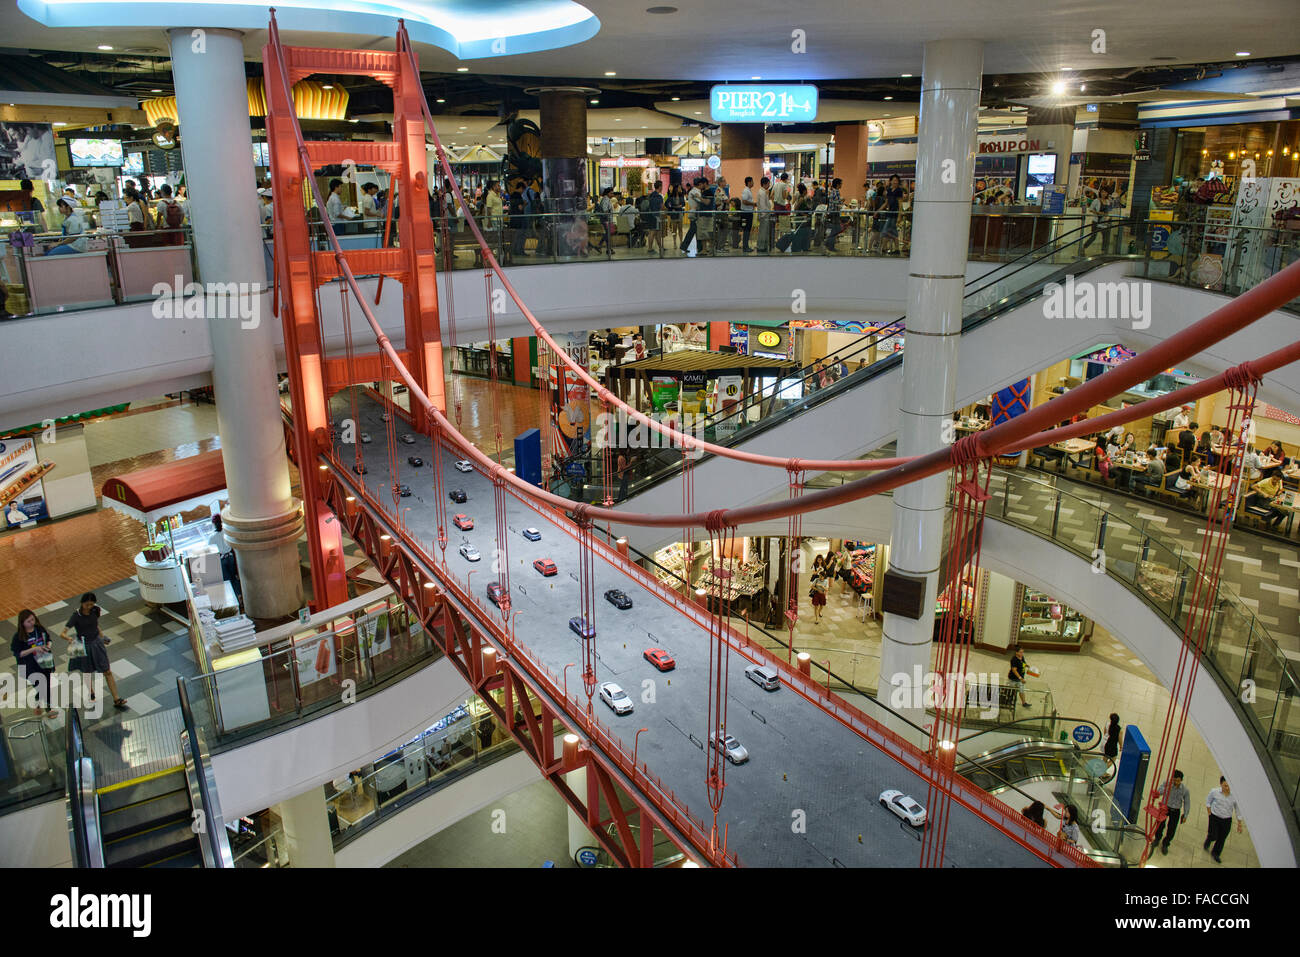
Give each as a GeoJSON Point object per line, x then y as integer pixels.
{"type": "Point", "coordinates": [263, 521]}
{"type": "Point", "coordinates": [945, 166]}
{"type": "Point", "coordinates": [307, 828]}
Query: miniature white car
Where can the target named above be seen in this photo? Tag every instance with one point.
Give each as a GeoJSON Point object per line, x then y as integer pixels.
{"type": "Point", "coordinates": [365, 438]}
{"type": "Point", "coordinates": [616, 698]}
{"type": "Point", "coordinates": [469, 553]}
{"type": "Point", "coordinates": [729, 746]}
{"type": "Point", "coordinates": [903, 806]}
{"type": "Point", "coordinates": [463, 465]}
{"type": "Point", "coordinates": [408, 438]}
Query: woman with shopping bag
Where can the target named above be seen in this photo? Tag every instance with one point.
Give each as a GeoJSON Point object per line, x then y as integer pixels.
{"type": "Point", "coordinates": [31, 646]}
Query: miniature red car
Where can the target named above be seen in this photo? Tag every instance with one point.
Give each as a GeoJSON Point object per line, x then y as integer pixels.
{"type": "Point", "coordinates": [545, 566]}
{"type": "Point", "coordinates": [463, 522]}
{"type": "Point", "coordinates": [660, 659]}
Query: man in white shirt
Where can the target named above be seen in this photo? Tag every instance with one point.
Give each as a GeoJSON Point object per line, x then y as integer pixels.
{"type": "Point", "coordinates": [1221, 805]}
{"type": "Point", "coordinates": [1182, 418]}
{"type": "Point", "coordinates": [264, 206]}
{"type": "Point", "coordinates": [370, 202]}
{"type": "Point", "coordinates": [746, 207]}
{"type": "Point", "coordinates": [334, 203]}
{"type": "Point", "coordinates": [764, 202]}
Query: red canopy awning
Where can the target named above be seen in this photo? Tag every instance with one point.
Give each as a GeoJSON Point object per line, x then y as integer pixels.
{"type": "Point", "coordinates": [155, 489]}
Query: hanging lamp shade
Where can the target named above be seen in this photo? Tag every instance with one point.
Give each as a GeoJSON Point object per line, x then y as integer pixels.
{"type": "Point", "coordinates": [311, 101]}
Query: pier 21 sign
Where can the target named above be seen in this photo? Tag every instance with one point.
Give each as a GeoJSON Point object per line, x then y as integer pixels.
{"type": "Point", "coordinates": [763, 103]}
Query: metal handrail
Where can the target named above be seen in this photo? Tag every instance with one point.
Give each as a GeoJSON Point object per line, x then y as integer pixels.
{"type": "Point", "coordinates": [198, 772]}
{"type": "Point", "coordinates": [84, 830]}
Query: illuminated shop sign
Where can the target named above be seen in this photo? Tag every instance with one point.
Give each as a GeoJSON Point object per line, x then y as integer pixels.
{"type": "Point", "coordinates": [1009, 145]}
{"type": "Point", "coordinates": [763, 103]}
{"type": "Point", "coordinates": [623, 161]}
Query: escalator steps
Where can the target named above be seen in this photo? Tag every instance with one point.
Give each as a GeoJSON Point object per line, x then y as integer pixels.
{"type": "Point", "coordinates": [149, 823]}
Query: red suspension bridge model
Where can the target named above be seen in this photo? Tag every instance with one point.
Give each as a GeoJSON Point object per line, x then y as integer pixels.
{"type": "Point", "coordinates": [623, 802]}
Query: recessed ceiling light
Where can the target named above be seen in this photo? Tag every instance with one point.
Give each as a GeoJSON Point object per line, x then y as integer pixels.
{"type": "Point", "coordinates": [618, 119]}
{"type": "Point", "coordinates": [464, 127]}
{"type": "Point", "coordinates": [905, 75]}
{"type": "Point", "coordinates": [889, 114]}
{"type": "Point", "coordinates": [660, 9]}
{"type": "Point", "coordinates": [610, 73]}
{"type": "Point", "coordinates": [1239, 52]}
{"type": "Point", "coordinates": [354, 121]}
{"type": "Point", "coordinates": [756, 78]}
{"type": "Point", "coordinates": [105, 46]}
{"type": "Point", "coordinates": [698, 112]}
{"type": "Point", "coordinates": [676, 98]}
{"type": "Point", "coordinates": [155, 91]}
{"type": "Point", "coordinates": [440, 100]}
{"type": "Point", "coordinates": [462, 69]}
{"type": "Point", "coordinates": [327, 86]}
{"type": "Point", "coordinates": [594, 102]}
{"type": "Point", "coordinates": [889, 97]}
{"type": "Point", "coordinates": [1066, 69]}
{"type": "Point", "coordinates": [1082, 87]}
{"type": "Point", "coordinates": [60, 124]}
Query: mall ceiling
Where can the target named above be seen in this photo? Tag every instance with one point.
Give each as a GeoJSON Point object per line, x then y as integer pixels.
{"type": "Point", "coordinates": [853, 52]}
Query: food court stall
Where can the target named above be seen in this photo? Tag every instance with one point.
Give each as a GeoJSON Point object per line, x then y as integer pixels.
{"type": "Point", "coordinates": [157, 497]}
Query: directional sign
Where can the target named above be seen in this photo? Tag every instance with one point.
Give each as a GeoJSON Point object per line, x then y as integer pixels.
{"type": "Point", "coordinates": [587, 857]}
{"type": "Point", "coordinates": [763, 103]}
{"type": "Point", "coordinates": [1083, 734]}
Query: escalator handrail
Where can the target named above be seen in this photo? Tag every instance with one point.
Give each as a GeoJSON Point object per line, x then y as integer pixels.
{"type": "Point", "coordinates": [857, 377]}
{"type": "Point", "coordinates": [886, 330]}
{"type": "Point", "coordinates": [213, 840]}
{"type": "Point", "coordinates": [83, 804]}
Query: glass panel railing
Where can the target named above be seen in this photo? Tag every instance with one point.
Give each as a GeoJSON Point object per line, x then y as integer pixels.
{"type": "Point", "coordinates": [986, 296]}
{"type": "Point", "coordinates": [1240, 649]}
{"type": "Point", "coordinates": [42, 273]}
{"type": "Point", "coordinates": [255, 692]}
{"type": "Point", "coordinates": [35, 768]}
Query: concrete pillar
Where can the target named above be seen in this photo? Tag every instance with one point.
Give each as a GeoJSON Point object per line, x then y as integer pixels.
{"type": "Point", "coordinates": [564, 144]}
{"type": "Point", "coordinates": [263, 521]}
{"type": "Point", "coordinates": [945, 165]}
{"type": "Point", "coordinates": [307, 829]}
{"type": "Point", "coordinates": [741, 151]}
{"type": "Point", "coordinates": [851, 159]}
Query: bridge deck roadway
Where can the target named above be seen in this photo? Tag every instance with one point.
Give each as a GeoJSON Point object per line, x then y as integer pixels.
{"type": "Point", "coordinates": [801, 759]}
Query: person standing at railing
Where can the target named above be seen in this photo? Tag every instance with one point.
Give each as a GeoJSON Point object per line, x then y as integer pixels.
{"type": "Point", "coordinates": [1070, 824]}
{"type": "Point", "coordinates": [763, 200]}
{"type": "Point", "coordinates": [694, 199]}
{"type": "Point", "coordinates": [1097, 213]}
{"type": "Point", "coordinates": [334, 202]}
{"type": "Point", "coordinates": [74, 233]}
{"type": "Point", "coordinates": [892, 206]}
{"type": "Point", "coordinates": [518, 223]}
{"type": "Point", "coordinates": [655, 219]}
{"type": "Point", "coordinates": [1176, 805]}
{"type": "Point", "coordinates": [781, 196]}
{"type": "Point", "coordinates": [747, 207]}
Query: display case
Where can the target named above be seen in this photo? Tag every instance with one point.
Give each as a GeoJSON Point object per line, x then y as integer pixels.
{"type": "Point", "coordinates": [1047, 622]}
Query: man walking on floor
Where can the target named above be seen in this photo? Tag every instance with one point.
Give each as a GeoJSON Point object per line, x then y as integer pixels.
{"type": "Point", "coordinates": [1178, 802]}
{"type": "Point", "coordinates": [1221, 805]}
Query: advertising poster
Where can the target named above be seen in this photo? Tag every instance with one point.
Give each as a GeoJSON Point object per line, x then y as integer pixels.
{"type": "Point", "coordinates": [740, 338]}
{"type": "Point", "coordinates": [27, 151]}
{"type": "Point", "coordinates": [376, 634]}
{"type": "Point", "coordinates": [1108, 173]}
{"type": "Point", "coordinates": [693, 391]}
{"type": "Point", "coordinates": [570, 413]}
{"type": "Point", "coordinates": [317, 658]}
{"type": "Point", "coordinates": [663, 392]}
{"type": "Point", "coordinates": [730, 396]}
{"type": "Point", "coordinates": [994, 174]}
{"type": "Point", "coordinates": [22, 493]}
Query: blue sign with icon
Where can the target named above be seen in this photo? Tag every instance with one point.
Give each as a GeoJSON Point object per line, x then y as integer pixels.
{"type": "Point", "coordinates": [1159, 238]}
{"type": "Point", "coordinates": [1083, 734]}
{"type": "Point", "coordinates": [763, 103]}
{"type": "Point", "coordinates": [587, 857]}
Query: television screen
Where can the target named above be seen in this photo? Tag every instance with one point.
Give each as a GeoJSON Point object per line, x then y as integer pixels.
{"type": "Point", "coordinates": [96, 152]}
{"type": "Point", "coordinates": [261, 154]}
{"type": "Point", "coordinates": [133, 165]}
{"type": "Point", "coordinates": [1041, 172]}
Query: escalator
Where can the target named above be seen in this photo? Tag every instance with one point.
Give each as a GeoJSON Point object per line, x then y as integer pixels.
{"type": "Point", "coordinates": [857, 413]}
{"type": "Point", "coordinates": [1021, 762]}
{"type": "Point", "coordinates": [149, 823]}
{"type": "Point", "coordinates": [164, 818]}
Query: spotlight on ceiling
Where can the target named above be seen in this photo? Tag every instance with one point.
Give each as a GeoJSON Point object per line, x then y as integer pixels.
{"type": "Point", "coordinates": [1058, 87]}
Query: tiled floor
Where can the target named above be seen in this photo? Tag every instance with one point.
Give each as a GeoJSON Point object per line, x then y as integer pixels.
{"type": "Point", "coordinates": [536, 830]}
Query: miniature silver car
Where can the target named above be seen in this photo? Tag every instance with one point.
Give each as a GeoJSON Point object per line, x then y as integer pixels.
{"type": "Point", "coordinates": [904, 806]}
{"type": "Point", "coordinates": [729, 746]}
{"type": "Point", "coordinates": [463, 465]}
{"type": "Point", "coordinates": [469, 553]}
{"type": "Point", "coordinates": [616, 698]}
